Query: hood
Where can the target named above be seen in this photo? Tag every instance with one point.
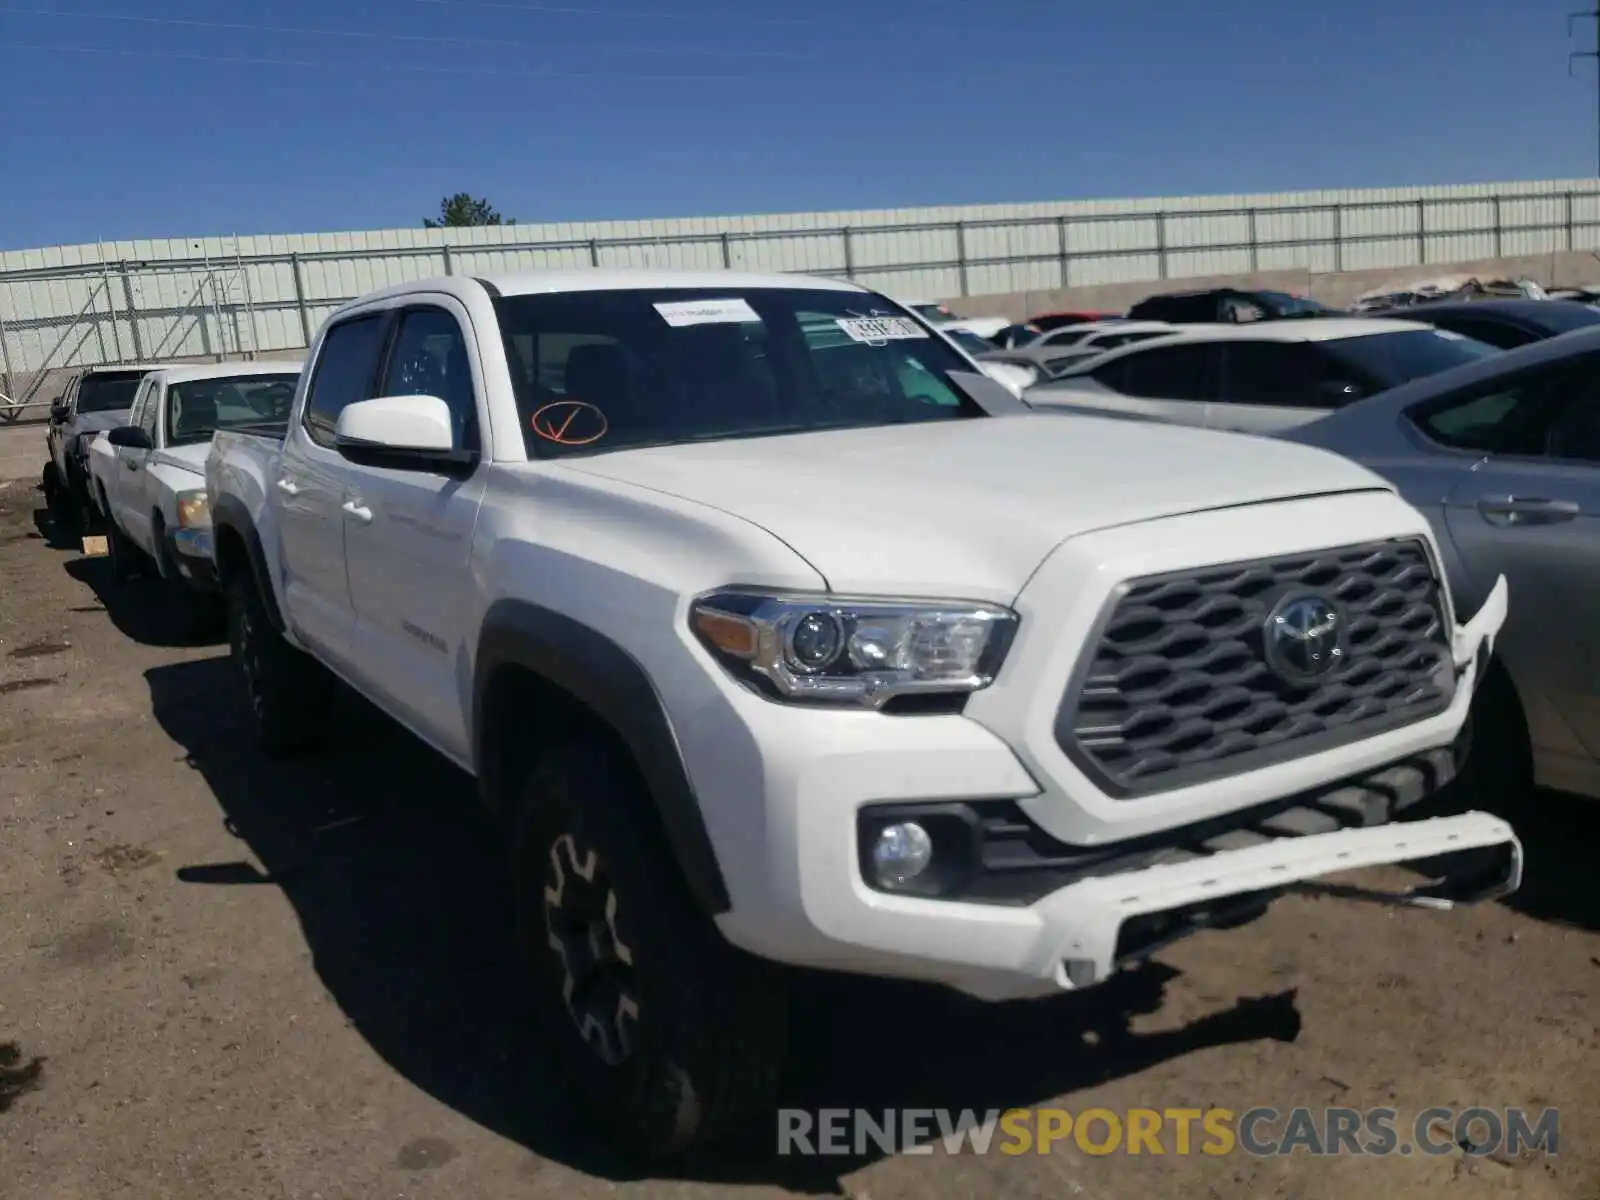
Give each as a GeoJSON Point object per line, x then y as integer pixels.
{"type": "Point", "coordinates": [969, 509]}
{"type": "Point", "coordinates": [189, 458]}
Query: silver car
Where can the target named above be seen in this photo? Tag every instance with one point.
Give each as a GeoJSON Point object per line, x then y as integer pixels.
{"type": "Point", "coordinates": [1503, 455]}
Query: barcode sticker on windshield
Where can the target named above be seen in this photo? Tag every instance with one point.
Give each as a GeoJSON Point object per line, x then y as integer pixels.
{"type": "Point", "coordinates": [880, 329]}
{"type": "Point", "coordinates": [733, 311]}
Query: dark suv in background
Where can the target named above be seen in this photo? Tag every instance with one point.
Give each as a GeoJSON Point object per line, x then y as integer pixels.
{"type": "Point", "coordinates": [1229, 305]}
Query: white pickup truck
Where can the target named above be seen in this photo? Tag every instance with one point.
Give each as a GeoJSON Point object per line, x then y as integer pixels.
{"type": "Point", "coordinates": [775, 647]}
{"type": "Point", "coordinates": [147, 477]}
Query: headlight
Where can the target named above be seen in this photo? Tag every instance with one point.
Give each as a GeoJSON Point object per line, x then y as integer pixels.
{"type": "Point", "coordinates": [194, 510]}
{"type": "Point", "coordinates": [843, 650]}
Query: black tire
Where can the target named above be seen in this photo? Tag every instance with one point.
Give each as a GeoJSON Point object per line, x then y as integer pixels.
{"type": "Point", "coordinates": [200, 612]}
{"type": "Point", "coordinates": [83, 514]}
{"type": "Point", "coordinates": [50, 485]}
{"type": "Point", "coordinates": [701, 1055]}
{"type": "Point", "coordinates": [288, 693]}
{"type": "Point", "coordinates": [127, 560]}
{"type": "Point", "coordinates": [62, 504]}
{"type": "Point", "coordinates": [1499, 766]}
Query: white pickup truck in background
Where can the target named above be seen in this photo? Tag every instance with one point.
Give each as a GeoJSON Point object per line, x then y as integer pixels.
{"type": "Point", "coordinates": [778, 635]}
{"type": "Point", "coordinates": [148, 476]}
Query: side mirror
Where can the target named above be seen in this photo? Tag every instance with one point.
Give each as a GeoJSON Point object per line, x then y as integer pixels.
{"type": "Point", "coordinates": [129, 437]}
{"type": "Point", "coordinates": [1336, 394]}
{"type": "Point", "coordinates": [404, 432]}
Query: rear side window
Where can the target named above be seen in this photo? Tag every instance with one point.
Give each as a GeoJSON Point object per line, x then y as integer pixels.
{"type": "Point", "coordinates": [1175, 308]}
{"type": "Point", "coordinates": [1186, 372]}
{"type": "Point", "coordinates": [1511, 415]}
{"type": "Point", "coordinates": [1278, 374]}
{"type": "Point", "coordinates": [145, 417]}
{"type": "Point", "coordinates": [343, 374]}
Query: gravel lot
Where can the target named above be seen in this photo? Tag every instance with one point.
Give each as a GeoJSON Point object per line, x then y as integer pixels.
{"type": "Point", "coordinates": [221, 978]}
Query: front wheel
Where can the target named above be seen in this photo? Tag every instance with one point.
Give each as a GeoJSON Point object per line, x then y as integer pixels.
{"type": "Point", "coordinates": [671, 1036]}
{"type": "Point", "coordinates": [289, 693]}
{"type": "Point", "coordinates": [127, 562]}
{"type": "Point", "coordinates": [1499, 767]}
{"type": "Point", "coordinates": [201, 612]}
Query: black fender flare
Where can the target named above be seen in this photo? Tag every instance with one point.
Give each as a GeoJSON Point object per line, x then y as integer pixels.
{"type": "Point", "coordinates": [605, 678]}
{"type": "Point", "coordinates": [231, 514]}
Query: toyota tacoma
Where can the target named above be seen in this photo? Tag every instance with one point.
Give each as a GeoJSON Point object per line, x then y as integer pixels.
{"type": "Point", "coordinates": [779, 637]}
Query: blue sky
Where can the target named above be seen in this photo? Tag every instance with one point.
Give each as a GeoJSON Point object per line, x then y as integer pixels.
{"type": "Point", "coordinates": [200, 117]}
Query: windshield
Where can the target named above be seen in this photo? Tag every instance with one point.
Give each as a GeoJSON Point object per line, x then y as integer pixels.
{"type": "Point", "coordinates": [1394, 358]}
{"type": "Point", "coordinates": [595, 371]}
{"type": "Point", "coordinates": [199, 407]}
{"type": "Point", "coordinates": [108, 391]}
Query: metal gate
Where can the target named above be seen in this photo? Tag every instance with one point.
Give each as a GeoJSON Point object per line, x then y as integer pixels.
{"type": "Point", "coordinates": [121, 313]}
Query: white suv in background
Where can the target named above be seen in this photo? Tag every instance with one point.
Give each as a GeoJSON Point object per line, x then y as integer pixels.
{"type": "Point", "coordinates": [1259, 377]}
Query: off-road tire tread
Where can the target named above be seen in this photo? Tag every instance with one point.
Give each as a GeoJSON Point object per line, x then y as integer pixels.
{"type": "Point", "coordinates": [725, 1011]}
{"type": "Point", "coordinates": [299, 691]}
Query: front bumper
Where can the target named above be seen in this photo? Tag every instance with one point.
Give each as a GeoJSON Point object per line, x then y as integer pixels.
{"type": "Point", "coordinates": [194, 560]}
{"type": "Point", "coordinates": [801, 894]}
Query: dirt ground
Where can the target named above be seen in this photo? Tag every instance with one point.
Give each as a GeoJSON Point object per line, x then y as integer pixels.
{"type": "Point", "coordinates": [221, 978]}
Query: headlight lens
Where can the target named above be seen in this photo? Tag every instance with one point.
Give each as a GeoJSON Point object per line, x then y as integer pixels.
{"type": "Point", "coordinates": [844, 650]}
{"type": "Point", "coordinates": [194, 510]}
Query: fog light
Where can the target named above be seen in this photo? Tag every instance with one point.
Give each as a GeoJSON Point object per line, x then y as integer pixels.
{"type": "Point", "coordinates": [901, 852]}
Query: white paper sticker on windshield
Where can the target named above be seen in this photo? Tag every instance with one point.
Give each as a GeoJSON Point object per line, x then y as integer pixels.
{"type": "Point", "coordinates": [707, 312]}
{"type": "Point", "coordinates": [881, 329]}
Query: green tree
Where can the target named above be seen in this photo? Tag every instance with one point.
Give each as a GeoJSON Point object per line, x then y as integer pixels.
{"type": "Point", "coordinates": [462, 209]}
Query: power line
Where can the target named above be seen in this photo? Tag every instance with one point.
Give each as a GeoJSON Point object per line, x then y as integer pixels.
{"type": "Point", "coordinates": [919, 21]}
{"type": "Point", "coordinates": [386, 68]}
{"type": "Point", "coordinates": [1593, 15]}
{"type": "Point", "coordinates": [363, 35]}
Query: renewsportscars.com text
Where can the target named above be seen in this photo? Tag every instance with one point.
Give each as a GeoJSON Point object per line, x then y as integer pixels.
{"type": "Point", "coordinates": [1261, 1131]}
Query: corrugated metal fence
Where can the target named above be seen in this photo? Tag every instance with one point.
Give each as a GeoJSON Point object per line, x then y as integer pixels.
{"type": "Point", "coordinates": [71, 306]}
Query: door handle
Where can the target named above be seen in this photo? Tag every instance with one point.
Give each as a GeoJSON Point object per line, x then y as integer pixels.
{"type": "Point", "coordinates": [288, 486]}
{"type": "Point", "coordinates": [1510, 512]}
{"type": "Point", "coordinates": [359, 511]}
{"type": "Point", "coordinates": [130, 465]}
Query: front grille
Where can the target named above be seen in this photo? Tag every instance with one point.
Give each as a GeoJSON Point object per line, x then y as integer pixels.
{"type": "Point", "coordinates": [1178, 691]}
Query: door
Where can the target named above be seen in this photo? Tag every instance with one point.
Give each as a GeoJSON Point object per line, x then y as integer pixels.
{"type": "Point", "coordinates": [57, 432]}
{"type": "Point", "coordinates": [1167, 383]}
{"type": "Point", "coordinates": [1531, 511]}
{"type": "Point", "coordinates": [1270, 386]}
{"type": "Point", "coordinates": [310, 488]}
{"type": "Point", "coordinates": [131, 501]}
{"type": "Point", "coordinates": [408, 540]}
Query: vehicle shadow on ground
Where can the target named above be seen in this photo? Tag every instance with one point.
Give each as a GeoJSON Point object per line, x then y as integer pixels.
{"type": "Point", "coordinates": [144, 610]}
{"type": "Point", "coordinates": [398, 884]}
{"type": "Point", "coordinates": [56, 533]}
{"type": "Point", "coordinates": [1559, 835]}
